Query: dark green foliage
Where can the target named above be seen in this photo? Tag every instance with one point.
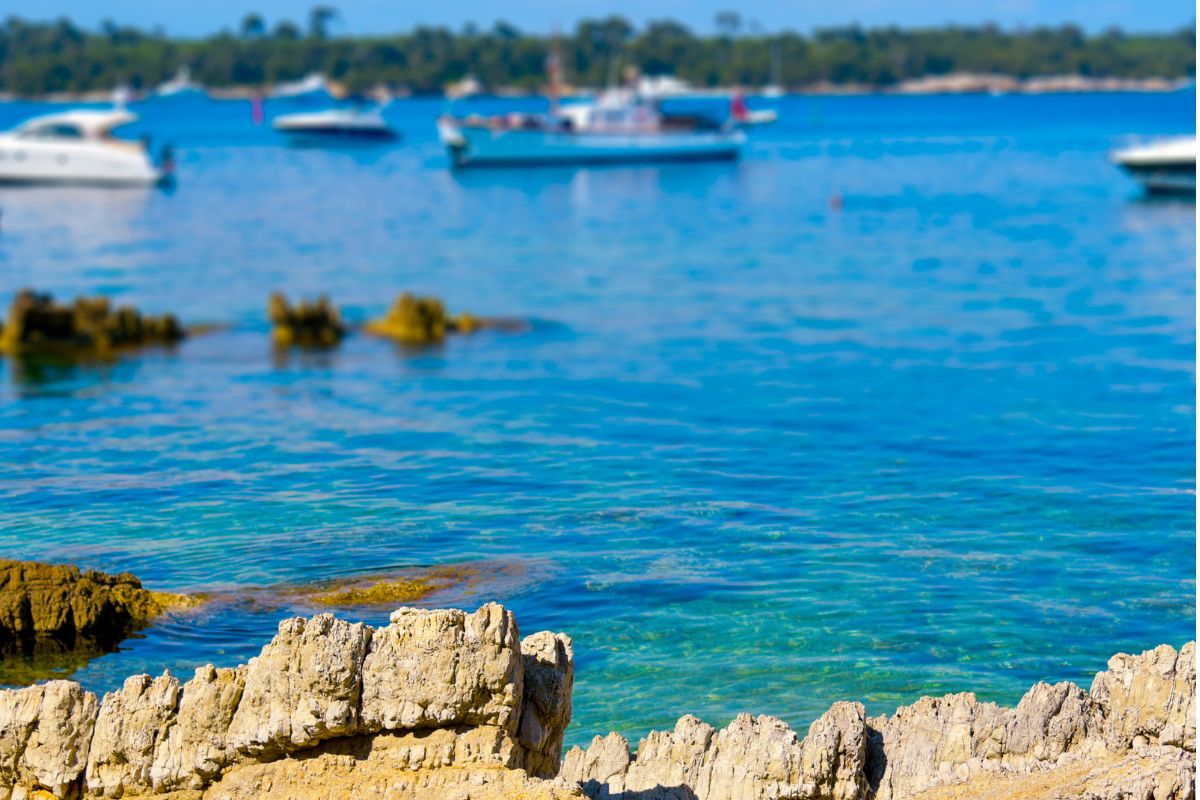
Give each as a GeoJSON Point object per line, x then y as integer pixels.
{"type": "Point", "coordinates": [37, 58]}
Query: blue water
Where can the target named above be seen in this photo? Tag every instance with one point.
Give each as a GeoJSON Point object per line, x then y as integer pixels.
{"type": "Point", "coordinates": [756, 453]}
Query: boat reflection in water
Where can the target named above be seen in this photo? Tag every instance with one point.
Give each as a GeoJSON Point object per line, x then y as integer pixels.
{"type": "Point", "coordinates": [1164, 167]}
{"type": "Point", "coordinates": [621, 127]}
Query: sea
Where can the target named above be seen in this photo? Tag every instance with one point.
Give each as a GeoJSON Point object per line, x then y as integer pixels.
{"type": "Point", "coordinates": [901, 403]}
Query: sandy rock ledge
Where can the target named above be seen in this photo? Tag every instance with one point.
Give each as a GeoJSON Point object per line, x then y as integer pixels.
{"type": "Point", "coordinates": [456, 705]}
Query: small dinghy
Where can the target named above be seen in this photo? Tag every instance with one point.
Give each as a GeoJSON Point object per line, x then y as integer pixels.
{"type": "Point", "coordinates": [336, 124]}
{"type": "Point", "coordinates": [1165, 167]}
{"type": "Point", "coordinates": [745, 117]}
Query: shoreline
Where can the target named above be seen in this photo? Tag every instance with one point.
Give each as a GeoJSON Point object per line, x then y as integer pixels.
{"type": "Point", "coordinates": [451, 704]}
{"type": "Point", "coordinates": [950, 84]}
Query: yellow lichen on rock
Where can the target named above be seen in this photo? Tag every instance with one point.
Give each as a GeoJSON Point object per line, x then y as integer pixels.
{"type": "Point", "coordinates": [306, 324]}
{"type": "Point", "coordinates": [36, 325]}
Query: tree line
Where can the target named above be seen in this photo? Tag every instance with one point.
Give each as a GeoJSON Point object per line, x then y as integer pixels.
{"type": "Point", "coordinates": [43, 57]}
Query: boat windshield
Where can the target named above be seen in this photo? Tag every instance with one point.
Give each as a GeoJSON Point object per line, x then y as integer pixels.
{"type": "Point", "coordinates": [52, 130]}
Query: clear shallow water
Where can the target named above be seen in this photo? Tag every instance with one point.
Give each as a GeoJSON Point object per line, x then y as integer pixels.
{"type": "Point", "coordinates": [756, 453]}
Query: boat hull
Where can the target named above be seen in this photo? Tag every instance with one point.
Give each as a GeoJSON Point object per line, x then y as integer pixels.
{"type": "Point", "coordinates": [1164, 178]}
{"type": "Point", "coordinates": [483, 147]}
{"type": "Point", "coordinates": [34, 162]}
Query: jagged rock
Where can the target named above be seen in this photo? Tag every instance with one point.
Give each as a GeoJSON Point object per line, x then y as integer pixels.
{"type": "Point", "coordinates": [443, 668]}
{"type": "Point", "coordinates": [307, 324]}
{"type": "Point", "coordinates": [36, 325]}
{"type": "Point", "coordinates": [45, 732]}
{"type": "Point", "coordinates": [305, 686]}
{"type": "Point", "coordinates": [549, 663]}
{"type": "Point", "coordinates": [1151, 697]}
{"type": "Point", "coordinates": [445, 704]}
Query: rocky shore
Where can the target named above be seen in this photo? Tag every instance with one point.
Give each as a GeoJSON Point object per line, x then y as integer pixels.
{"type": "Point", "coordinates": [449, 704]}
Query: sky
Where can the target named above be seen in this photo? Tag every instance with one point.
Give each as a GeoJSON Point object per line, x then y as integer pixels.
{"type": "Point", "coordinates": [388, 16]}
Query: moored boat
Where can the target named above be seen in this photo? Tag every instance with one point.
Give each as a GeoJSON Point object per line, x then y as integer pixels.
{"type": "Point", "coordinates": [79, 147]}
{"type": "Point", "coordinates": [312, 86]}
{"type": "Point", "coordinates": [336, 124]}
{"type": "Point", "coordinates": [619, 128]}
{"type": "Point", "coordinates": [1163, 167]}
{"type": "Point", "coordinates": [181, 84]}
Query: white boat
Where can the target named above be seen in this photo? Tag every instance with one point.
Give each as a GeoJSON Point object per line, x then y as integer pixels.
{"type": "Point", "coordinates": [467, 87]}
{"type": "Point", "coordinates": [745, 117]}
{"type": "Point", "coordinates": [78, 147]}
{"type": "Point", "coordinates": [336, 123]}
{"type": "Point", "coordinates": [311, 86]}
{"type": "Point", "coordinates": [619, 128]}
{"type": "Point", "coordinates": [181, 84]}
{"type": "Point", "coordinates": [1164, 167]}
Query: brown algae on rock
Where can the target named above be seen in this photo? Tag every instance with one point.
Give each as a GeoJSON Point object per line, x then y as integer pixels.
{"type": "Point", "coordinates": [407, 587]}
{"type": "Point", "coordinates": [424, 320]}
{"type": "Point", "coordinates": [89, 326]}
{"type": "Point", "coordinates": [307, 324]}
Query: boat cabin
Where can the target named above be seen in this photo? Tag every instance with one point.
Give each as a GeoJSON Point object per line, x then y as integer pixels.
{"type": "Point", "coordinates": [74, 126]}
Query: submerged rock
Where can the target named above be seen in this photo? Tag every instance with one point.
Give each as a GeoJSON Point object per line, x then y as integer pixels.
{"type": "Point", "coordinates": [407, 586]}
{"type": "Point", "coordinates": [448, 704]}
{"type": "Point", "coordinates": [36, 325]}
{"type": "Point", "coordinates": [306, 324]}
{"type": "Point", "coordinates": [424, 320]}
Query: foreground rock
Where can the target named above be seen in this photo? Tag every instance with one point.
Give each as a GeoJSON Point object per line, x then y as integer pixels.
{"type": "Point", "coordinates": [1132, 737]}
{"type": "Point", "coordinates": [445, 704]}
{"type": "Point", "coordinates": [306, 324]}
{"type": "Point", "coordinates": [89, 327]}
{"type": "Point", "coordinates": [435, 704]}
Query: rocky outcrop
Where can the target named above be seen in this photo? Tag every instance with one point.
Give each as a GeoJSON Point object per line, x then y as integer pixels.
{"type": "Point", "coordinates": [1132, 736]}
{"type": "Point", "coordinates": [37, 325]}
{"type": "Point", "coordinates": [55, 607]}
{"type": "Point", "coordinates": [306, 324]}
{"type": "Point", "coordinates": [414, 320]}
{"type": "Point", "coordinates": [430, 705]}
{"type": "Point", "coordinates": [446, 704]}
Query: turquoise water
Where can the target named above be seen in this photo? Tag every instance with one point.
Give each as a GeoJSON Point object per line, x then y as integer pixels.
{"type": "Point", "coordinates": [756, 452]}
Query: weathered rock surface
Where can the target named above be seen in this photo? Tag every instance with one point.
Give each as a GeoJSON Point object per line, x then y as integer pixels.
{"type": "Point", "coordinates": [455, 705]}
{"type": "Point", "coordinates": [55, 607]}
{"type": "Point", "coordinates": [1132, 736]}
{"type": "Point", "coordinates": [432, 705]}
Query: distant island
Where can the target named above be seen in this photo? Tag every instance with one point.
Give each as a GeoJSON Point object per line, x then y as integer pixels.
{"type": "Point", "coordinates": [47, 58]}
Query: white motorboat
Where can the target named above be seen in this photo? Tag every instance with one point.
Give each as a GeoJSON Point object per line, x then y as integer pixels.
{"type": "Point", "coordinates": [181, 84]}
{"type": "Point", "coordinates": [620, 127]}
{"type": "Point", "coordinates": [336, 124]}
{"type": "Point", "coordinates": [311, 86]}
{"type": "Point", "coordinates": [1163, 167]}
{"type": "Point", "coordinates": [745, 117]}
{"type": "Point", "coordinates": [78, 147]}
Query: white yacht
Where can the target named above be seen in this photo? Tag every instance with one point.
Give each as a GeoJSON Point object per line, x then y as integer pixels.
{"type": "Point", "coordinates": [336, 124]}
{"type": "Point", "coordinates": [313, 85]}
{"type": "Point", "coordinates": [181, 84]}
{"type": "Point", "coordinates": [78, 147]}
{"type": "Point", "coordinates": [1163, 167]}
{"type": "Point", "coordinates": [620, 127]}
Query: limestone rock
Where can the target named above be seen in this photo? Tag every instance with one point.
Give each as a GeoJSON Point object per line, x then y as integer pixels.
{"type": "Point", "coordinates": [36, 325]}
{"type": "Point", "coordinates": [306, 324]}
{"type": "Point", "coordinates": [549, 666]}
{"type": "Point", "coordinates": [197, 746]}
{"type": "Point", "coordinates": [305, 686]}
{"type": "Point", "coordinates": [834, 755]}
{"type": "Point", "coordinates": [133, 723]}
{"type": "Point", "coordinates": [45, 732]}
{"type": "Point", "coordinates": [442, 668]}
{"type": "Point", "coordinates": [1150, 698]}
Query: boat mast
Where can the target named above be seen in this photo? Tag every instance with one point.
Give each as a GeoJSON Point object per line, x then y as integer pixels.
{"type": "Point", "coordinates": [554, 73]}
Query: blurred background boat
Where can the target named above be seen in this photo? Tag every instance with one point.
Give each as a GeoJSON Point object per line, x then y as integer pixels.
{"type": "Point", "coordinates": [359, 123]}
{"type": "Point", "coordinates": [181, 84]}
{"type": "Point", "coordinates": [312, 86]}
{"type": "Point", "coordinates": [1167, 166]}
{"type": "Point", "coordinates": [79, 147]}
